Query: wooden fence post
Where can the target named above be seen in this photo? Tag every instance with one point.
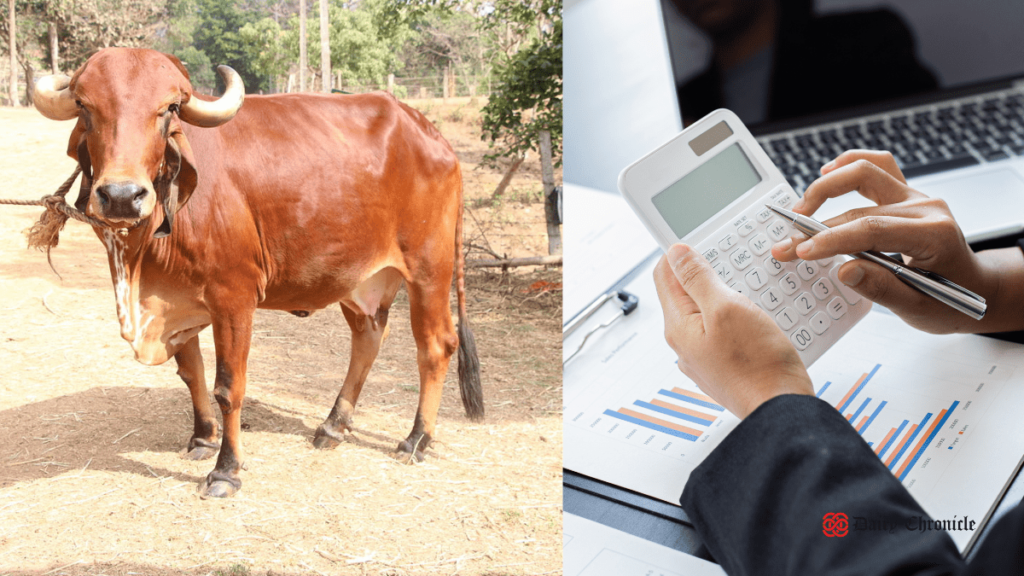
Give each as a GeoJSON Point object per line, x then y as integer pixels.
{"type": "Point", "coordinates": [547, 171]}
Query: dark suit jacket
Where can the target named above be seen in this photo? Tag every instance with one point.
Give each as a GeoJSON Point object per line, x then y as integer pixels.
{"type": "Point", "coordinates": [760, 497]}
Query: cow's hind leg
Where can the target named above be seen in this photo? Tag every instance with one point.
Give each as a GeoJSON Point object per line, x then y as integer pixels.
{"type": "Point", "coordinates": [203, 443]}
{"type": "Point", "coordinates": [368, 332]}
{"type": "Point", "coordinates": [436, 341]}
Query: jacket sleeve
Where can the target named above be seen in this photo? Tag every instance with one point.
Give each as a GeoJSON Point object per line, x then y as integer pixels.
{"type": "Point", "coordinates": [760, 498]}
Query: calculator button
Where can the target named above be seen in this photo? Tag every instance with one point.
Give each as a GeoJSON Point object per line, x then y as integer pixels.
{"type": "Point", "coordinates": [847, 292]}
{"type": "Point", "coordinates": [801, 338]}
{"type": "Point", "coordinates": [764, 215]}
{"type": "Point", "coordinates": [786, 200]}
{"type": "Point", "coordinates": [786, 319]}
{"type": "Point", "coordinates": [746, 228]}
{"type": "Point", "coordinates": [823, 289]}
{"type": "Point", "coordinates": [771, 299]}
{"type": "Point", "coordinates": [711, 254]}
{"type": "Point", "coordinates": [804, 303]}
{"type": "Point", "coordinates": [756, 278]}
{"type": "Point", "coordinates": [724, 272]}
{"type": "Point", "coordinates": [773, 266]}
{"type": "Point", "coordinates": [820, 323]}
{"type": "Point", "coordinates": [778, 230]}
{"type": "Point", "coordinates": [837, 308]}
{"type": "Point", "coordinates": [806, 270]}
{"type": "Point", "coordinates": [741, 258]}
{"type": "Point", "coordinates": [790, 284]}
{"type": "Point", "coordinates": [760, 244]}
{"type": "Point", "coordinates": [824, 262]}
{"type": "Point", "coordinates": [728, 243]}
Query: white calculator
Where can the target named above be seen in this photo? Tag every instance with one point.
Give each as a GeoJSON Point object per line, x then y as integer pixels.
{"type": "Point", "coordinates": [708, 187]}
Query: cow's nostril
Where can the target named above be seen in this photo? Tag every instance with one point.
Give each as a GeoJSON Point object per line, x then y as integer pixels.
{"type": "Point", "coordinates": [138, 195]}
{"type": "Point", "coordinates": [104, 199]}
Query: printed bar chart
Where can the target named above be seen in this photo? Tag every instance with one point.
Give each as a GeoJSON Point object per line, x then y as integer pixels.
{"type": "Point", "coordinates": [686, 416]}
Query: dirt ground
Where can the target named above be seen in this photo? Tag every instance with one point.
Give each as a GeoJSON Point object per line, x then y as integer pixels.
{"type": "Point", "coordinates": [91, 478]}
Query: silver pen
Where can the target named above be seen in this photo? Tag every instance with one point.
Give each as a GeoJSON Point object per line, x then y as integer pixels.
{"type": "Point", "coordinates": [924, 281]}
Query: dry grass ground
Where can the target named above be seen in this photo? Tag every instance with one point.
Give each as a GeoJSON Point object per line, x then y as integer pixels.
{"type": "Point", "coordinates": [91, 481]}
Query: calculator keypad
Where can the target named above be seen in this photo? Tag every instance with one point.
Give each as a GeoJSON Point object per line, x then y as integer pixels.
{"type": "Point", "coordinates": [805, 298]}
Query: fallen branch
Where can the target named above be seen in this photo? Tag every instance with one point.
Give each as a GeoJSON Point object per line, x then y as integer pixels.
{"type": "Point", "coordinates": [555, 260]}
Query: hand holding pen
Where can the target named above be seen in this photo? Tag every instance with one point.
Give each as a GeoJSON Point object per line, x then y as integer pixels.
{"type": "Point", "coordinates": [921, 228]}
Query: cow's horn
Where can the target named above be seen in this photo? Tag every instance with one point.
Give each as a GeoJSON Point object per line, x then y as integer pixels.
{"type": "Point", "coordinates": [53, 99]}
{"type": "Point", "coordinates": [210, 114]}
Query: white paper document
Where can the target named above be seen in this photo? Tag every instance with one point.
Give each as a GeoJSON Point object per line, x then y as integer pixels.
{"type": "Point", "coordinates": [593, 549]}
{"type": "Point", "coordinates": [604, 240]}
{"type": "Point", "coordinates": [944, 413]}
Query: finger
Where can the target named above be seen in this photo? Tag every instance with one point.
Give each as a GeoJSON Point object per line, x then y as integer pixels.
{"type": "Point", "coordinates": [785, 250]}
{"type": "Point", "coordinates": [860, 176]}
{"type": "Point", "coordinates": [697, 277]}
{"type": "Point", "coordinates": [881, 158]}
{"type": "Point", "coordinates": [914, 237]}
{"type": "Point", "coordinates": [671, 294]}
{"type": "Point", "coordinates": [883, 287]}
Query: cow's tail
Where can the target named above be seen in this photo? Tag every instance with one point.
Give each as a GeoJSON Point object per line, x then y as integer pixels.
{"type": "Point", "coordinates": [469, 364]}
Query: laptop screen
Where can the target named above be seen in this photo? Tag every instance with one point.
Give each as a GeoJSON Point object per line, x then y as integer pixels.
{"type": "Point", "coordinates": [789, 62]}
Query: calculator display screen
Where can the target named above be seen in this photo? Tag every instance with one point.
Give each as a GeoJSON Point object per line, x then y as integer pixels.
{"type": "Point", "coordinates": [700, 194]}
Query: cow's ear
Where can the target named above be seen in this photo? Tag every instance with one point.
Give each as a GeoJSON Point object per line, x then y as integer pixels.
{"type": "Point", "coordinates": [79, 151]}
{"type": "Point", "coordinates": [177, 182]}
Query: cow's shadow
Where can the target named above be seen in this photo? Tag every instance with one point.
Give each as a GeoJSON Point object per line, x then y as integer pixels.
{"type": "Point", "coordinates": [96, 428]}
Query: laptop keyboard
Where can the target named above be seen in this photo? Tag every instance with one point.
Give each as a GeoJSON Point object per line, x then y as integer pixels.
{"type": "Point", "coordinates": [924, 140]}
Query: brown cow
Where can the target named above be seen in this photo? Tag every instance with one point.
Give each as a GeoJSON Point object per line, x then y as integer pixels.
{"type": "Point", "coordinates": [298, 202]}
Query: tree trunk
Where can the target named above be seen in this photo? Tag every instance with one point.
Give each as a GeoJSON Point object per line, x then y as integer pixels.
{"type": "Point", "coordinates": [54, 60]}
{"type": "Point", "coordinates": [303, 58]}
{"type": "Point", "coordinates": [507, 178]}
{"type": "Point", "coordinates": [12, 48]}
{"type": "Point", "coordinates": [550, 200]}
{"type": "Point", "coordinates": [29, 81]}
{"type": "Point", "coordinates": [325, 47]}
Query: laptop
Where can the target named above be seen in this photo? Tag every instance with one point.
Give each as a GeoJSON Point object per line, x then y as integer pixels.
{"type": "Point", "coordinates": [939, 83]}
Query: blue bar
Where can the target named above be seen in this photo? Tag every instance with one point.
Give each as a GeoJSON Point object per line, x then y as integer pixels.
{"type": "Point", "coordinates": [859, 388]}
{"type": "Point", "coordinates": [931, 436]}
{"type": "Point", "coordinates": [655, 427]}
{"type": "Point", "coordinates": [893, 439]}
{"type": "Point", "coordinates": [672, 394]}
{"type": "Point", "coordinates": [853, 419]}
{"type": "Point", "coordinates": [899, 454]}
{"type": "Point", "coordinates": [872, 418]}
{"type": "Point", "coordinates": [870, 444]}
{"type": "Point", "coordinates": [673, 413]}
{"type": "Point", "coordinates": [823, 388]}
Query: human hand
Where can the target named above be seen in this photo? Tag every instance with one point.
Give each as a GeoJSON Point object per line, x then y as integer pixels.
{"type": "Point", "coordinates": [730, 348]}
{"type": "Point", "coordinates": [905, 221]}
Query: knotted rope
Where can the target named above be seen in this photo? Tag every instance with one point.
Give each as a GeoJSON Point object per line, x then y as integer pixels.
{"type": "Point", "coordinates": [45, 233]}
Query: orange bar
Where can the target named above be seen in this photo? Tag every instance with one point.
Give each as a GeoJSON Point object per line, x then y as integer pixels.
{"type": "Point", "coordinates": [659, 421]}
{"type": "Point", "coordinates": [878, 449]}
{"type": "Point", "coordinates": [863, 419]}
{"type": "Point", "coordinates": [695, 396]}
{"type": "Point", "coordinates": [694, 413]}
{"type": "Point", "coordinates": [850, 393]}
{"type": "Point", "coordinates": [849, 416]}
{"type": "Point", "coordinates": [921, 442]}
{"type": "Point", "coordinates": [899, 446]}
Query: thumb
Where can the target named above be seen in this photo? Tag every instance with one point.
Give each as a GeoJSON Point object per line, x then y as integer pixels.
{"type": "Point", "coordinates": [695, 275]}
{"type": "Point", "coordinates": [881, 286]}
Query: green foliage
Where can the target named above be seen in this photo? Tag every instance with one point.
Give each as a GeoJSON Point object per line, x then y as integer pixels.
{"type": "Point", "coordinates": [263, 46]}
{"type": "Point", "coordinates": [200, 69]}
{"type": "Point", "coordinates": [530, 97]}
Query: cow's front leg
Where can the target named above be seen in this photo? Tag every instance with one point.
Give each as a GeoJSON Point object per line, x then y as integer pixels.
{"type": "Point", "coordinates": [203, 443]}
{"type": "Point", "coordinates": [231, 337]}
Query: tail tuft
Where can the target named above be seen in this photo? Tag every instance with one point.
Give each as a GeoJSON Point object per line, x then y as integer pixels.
{"type": "Point", "coordinates": [469, 374]}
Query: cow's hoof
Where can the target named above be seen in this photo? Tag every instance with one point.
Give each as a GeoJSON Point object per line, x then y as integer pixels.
{"type": "Point", "coordinates": [199, 449]}
{"type": "Point", "coordinates": [219, 485]}
{"type": "Point", "coordinates": [199, 453]}
{"type": "Point", "coordinates": [328, 436]}
{"type": "Point", "coordinates": [404, 453]}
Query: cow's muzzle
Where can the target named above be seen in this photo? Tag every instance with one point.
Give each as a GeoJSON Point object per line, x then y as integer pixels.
{"type": "Point", "coordinates": [123, 201]}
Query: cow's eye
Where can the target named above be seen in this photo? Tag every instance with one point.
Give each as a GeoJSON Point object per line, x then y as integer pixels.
{"type": "Point", "coordinates": [173, 109]}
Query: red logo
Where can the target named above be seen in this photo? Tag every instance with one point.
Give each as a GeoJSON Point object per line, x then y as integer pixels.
{"type": "Point", "coordinates": [835, 524]}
